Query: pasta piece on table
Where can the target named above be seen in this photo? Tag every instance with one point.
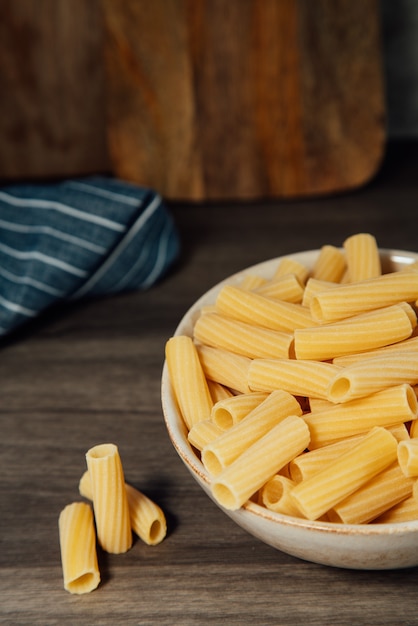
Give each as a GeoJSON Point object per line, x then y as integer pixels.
{"type": "Point", "coordinates": [78, 548]}
{"type": "Point", "coordinates": [147, 519]}
{"type": "Point", "coordinates": [110, 502]}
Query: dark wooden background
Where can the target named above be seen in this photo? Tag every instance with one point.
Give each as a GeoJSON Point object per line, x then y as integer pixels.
{"type": "Point", "coordinates": [201, 99]}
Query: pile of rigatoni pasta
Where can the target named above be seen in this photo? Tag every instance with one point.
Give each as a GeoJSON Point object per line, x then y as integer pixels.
{"type": "Point", "coordinates": [299, 392]}
{"type": "Point", "coordinates": [119, 509]}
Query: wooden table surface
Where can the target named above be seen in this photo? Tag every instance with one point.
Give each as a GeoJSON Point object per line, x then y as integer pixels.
{"type": "Point", "coordinates": [90, 373]}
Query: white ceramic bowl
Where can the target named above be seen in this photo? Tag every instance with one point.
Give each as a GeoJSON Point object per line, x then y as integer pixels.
{"type": "Point", "coordinates": [380, 546]}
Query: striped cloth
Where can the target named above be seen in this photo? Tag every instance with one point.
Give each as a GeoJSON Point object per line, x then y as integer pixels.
{"type": "Point", "coordinates": [78, 238]}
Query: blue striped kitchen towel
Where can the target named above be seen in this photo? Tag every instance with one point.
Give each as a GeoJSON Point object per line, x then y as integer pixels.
{"type": "Point", "coordinates": [76, 238]}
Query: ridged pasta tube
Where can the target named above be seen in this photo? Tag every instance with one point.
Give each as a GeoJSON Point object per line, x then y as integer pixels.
{"type": "Point", "coordinates": [378, 495]}
{"type": "Point", "coordinates": [317, 495]}
{"type": "Point", "coordinates": [188, 380]}
{"type": "Point", "coordinates": [110, 502]}
{"type": "Point", "coordinates": [223, 450]}
{"type": "Point", "coordinates": [352, 299]}
{"type": "Point", "coordinates": [366, 331]}
{"type": "Point", "coordinates": [249, 340]}
{"type": "Point", "coordinates": [262, 460]}
{"type": "Point", "coordinates": [391, 406]}
{"type": "Point", "coordinates": [253, 308]}
{"type": "Point", "coordinates": [371, 375]}
{"type": "Point", "coordinates": [78, 548]}
{"type": "Point", "coordinates": [297, 376]}
{"type": "Point", "coordinates": [362, 257]}
{"type": "Point", "coordinates": [147, 519]}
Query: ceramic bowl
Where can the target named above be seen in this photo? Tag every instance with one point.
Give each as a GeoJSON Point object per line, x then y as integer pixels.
{"type": "Point", "coordinates": [365, 546]}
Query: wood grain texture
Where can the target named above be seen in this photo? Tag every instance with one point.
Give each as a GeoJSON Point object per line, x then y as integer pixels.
{"type": "Point", "coordinates": [89, 373]}
{"type": "Point", "coordinates": [212, 99]}
{"type": "Point", "coordinates": [52, 113]}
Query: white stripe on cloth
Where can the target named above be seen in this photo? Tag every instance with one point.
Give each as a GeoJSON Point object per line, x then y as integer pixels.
{"type": "Point", "coordinates": [62, 208]}
{"type": "Point", "coordinates": [104, 193]}
{"type": "Point", "coordinates": [158, 265]}
{"type": "Point", "coordinates": [17, 308]}
{"type": "Point", "coordinates": [151, 208]}
{"type": "Point", "coordinates": [53, 232]}
{"type": "Point", "coordinates": [31, 282]}
{"type": "Point", "coordinates": [43, 258]}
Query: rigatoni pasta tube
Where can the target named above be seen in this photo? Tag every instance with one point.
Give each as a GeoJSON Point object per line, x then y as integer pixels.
{"type": "Point", "coordinates": [384, 408]}
{"type": "Point", "coordinates": [407, 345]}
{"type": "Point", "coordinates": [251, 470]}
{"type": "Point", "coordinates": [313, 287]}
{"type": "Point", "coordinates": [413, 427]}
{"type": "Point", "coordinates": [330, 264]}
{"type": "Point", "coordinates": [230, 411]}
{"type": "Point", "coordinates": [188, 380]}
{"type": "Point", "coordinates": [289, 265]}
{"type": "Point", "coordinates": [366, 331]}
{"type": "Point", "coordinates": [405, 511]}
{"type": "Point", "coordinates": [408, 457]}
{"type": "Point", "coordinates": [225, 367]}
{"type": "Point", "coordinates": [147, 518]}
{"type": "Point", "coordinates": [78, 548]}
{"type": "Point", "coordinates": [298, 377]}
{"type": "Point", "coordinates": [218, 391]}
{"type": "Point", "coordinates": [317, 495]}
{"type": "Point", "coordinates": [311, 462]}
{"type": "Point", "coordinates": [246, 339]}
{"type": "Point", "coordinates": [352, 299]}
{"type": "Point", "coordinates": [252, 281]}
{"type": "Point", "coordinates": [288, 288]}
{"type": "Point", "coordinates": [362, 257]}
{"type": "Point", "coordinates": [110, 502]}
{"type": "Point", "coordinates": [227, 447]}
{"type": "Point", "coordinates": [378, 495]}
{"type": "Point", "coordinates": [370, 375]}
{"type": "Point", "coordinates": [203, 433]}
{"type": "Point", "coordinates": [252, 308]}
{"type": "Point", "coordinates": [276, 496]}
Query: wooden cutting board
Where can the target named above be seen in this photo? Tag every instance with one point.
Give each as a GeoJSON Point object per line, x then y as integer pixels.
{"type": "Point", "coordinates": [243, 99]}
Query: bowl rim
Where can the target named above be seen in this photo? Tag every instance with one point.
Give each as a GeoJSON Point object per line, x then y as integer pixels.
{"type": "Point", "coordinates": [177, 430]}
